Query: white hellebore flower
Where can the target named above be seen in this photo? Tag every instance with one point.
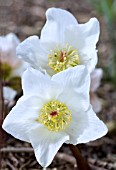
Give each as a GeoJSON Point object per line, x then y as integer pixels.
{"type": "Point", "coordinates": [10, 64]}
{"type": "Point", "coordinates": [53, 111]}
{"type": "Point", "coordinates": [95, 101]}
{"type": "Point", "coordinates": [63, 43]}
{"type": "Point", "coordinates": [9, 94]}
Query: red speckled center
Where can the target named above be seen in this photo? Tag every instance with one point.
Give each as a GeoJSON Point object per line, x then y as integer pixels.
{"type": "Point", "coordinates": [54, 113]}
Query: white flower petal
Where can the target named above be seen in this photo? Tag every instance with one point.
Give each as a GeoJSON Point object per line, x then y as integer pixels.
{"type": "Point", "coordinates": [57, 21]}
{"type": "Point", "coordinates": [91, 31]}
{"type": "Point", "coordinates": [96, 128]}
{"type": "Point", "coordinates": [93, 129]}
{"type": "Point", "coordinates": [96, 102]}
{"type": "Point", "coordinates": [13, 39]}
{"type": "Point", "coordinates": [78, 125]}
{"type": "Point", "coordinates": [8, 94]}
{"type": "Point", "coordinates": [8, 56]}
{"type": "Point", "coordinates": [75, 83]}
{"type": "Point", "coordinates": [8, 42]}
{"type": "Point", "coordinates": [74, 37]}
{"type": "Point", "coordinates": [96, 76]}
{"type": "Point", "coordinates": [8, 45]}
{"type": "Point", "coordinates": [22, 118]}
{"type": "Point", "coordinates": [84, 37]}
{"type": "Point", "coordinates": [89, 59]}
{"type": "Point", "coordinates": [31, 50]}
{"type": "Point", "coordinates": [90, 34]}
{"type": "Point", "coordinates": [46, 144]}
{"type": "Point", "coordinates": [36, 83]}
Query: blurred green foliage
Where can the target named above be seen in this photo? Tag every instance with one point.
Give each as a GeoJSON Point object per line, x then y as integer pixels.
{"type": "Point", "coordinates": [15, 83]}
{"type": "Point", "coordinates": [107, 8]}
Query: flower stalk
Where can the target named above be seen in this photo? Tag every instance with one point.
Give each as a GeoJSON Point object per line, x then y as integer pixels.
{"type": "Point", "coordinates": [1, 112]}
{"type": "Point", "coordinates": [81, 162]}
{"type": "Point", "coordinates": [1, 96]}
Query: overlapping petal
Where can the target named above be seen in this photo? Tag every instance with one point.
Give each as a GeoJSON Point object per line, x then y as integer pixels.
{"type": "Point", "coordinates": [95, 129]}
{"type": "Point", "coordinates": [76, 83]}
{"type": "Point", "coordinates": [36, 83]}
{"type": "Point", "coordinates": [91, 31]}
{"type": "Point", "coordinates": [57, 21]}
{"type": "Point", "coordinates": [85, 127]}
{"type": "Point", "coordinates": [32, 51]}
{"type": "Point", "coordinates": [35, 52]}
{"type": "Point", "coordinates": [84, 37]}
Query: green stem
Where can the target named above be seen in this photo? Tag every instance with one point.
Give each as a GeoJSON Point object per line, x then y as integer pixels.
{"type": "Point", "coordinates": [81, 162]}
{"type": "Point", "coordinates": [1, 113]}
{"type": "Point", "coordinates": [1, 96]}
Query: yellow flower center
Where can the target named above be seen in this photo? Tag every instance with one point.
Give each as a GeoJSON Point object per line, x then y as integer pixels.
{"type": "Point", "coordinates": [55, 116]}
{"type": "Point", "coordinates": [6, 71]}
{"type": "Point", "coordinates": [61, 59]}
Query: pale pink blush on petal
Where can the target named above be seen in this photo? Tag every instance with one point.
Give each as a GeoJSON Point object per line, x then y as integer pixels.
{"type": "Point", "coordinates": [96, 102]}
{"type": "Point", "coordinates": [96, 77]}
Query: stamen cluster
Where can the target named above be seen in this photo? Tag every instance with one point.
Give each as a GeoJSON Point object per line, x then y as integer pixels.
{"type": "Point", "coordinates": [55, 116]}
{"type": "Point", "coordinates": [61, 59]}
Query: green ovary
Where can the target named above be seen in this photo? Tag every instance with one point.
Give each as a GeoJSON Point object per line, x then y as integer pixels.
{"type": "Point", "coordinates": [55, 116]}
{"type": "Point", "coordinates": [61, 59]}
